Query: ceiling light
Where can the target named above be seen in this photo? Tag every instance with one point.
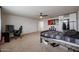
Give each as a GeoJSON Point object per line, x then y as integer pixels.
{"type": "Point", "coordinates": [41, 17]}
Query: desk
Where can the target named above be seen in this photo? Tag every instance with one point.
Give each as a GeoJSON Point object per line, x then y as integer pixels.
{"type": "Point", "coordinates": [6, 37]}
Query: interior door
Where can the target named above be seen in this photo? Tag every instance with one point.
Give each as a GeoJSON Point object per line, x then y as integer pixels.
{"type": "Point", "coordinates": [40, 26]}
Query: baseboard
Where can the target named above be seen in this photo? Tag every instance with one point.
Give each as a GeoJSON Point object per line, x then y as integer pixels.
{"type": "Point", "coordinates": [28, 33]}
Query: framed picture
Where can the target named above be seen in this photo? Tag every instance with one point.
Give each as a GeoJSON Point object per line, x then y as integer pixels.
{"type": "Point", "coordinates": [51, 22]}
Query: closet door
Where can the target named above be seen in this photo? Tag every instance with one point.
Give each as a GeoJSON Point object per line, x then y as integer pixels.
{"type": "Point", "coordinates": [40, 25]}
{"type": "Point", "coordinates": [73, 21]}
{"type": "Point", "coordinates": [59, 26]}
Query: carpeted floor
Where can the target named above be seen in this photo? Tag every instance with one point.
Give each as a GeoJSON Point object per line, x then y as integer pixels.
{"type": "Point", "coordinates": [30, 43]}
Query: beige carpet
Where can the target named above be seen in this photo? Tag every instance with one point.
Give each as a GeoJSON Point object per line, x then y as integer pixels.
{"type": "Point", "coordinates": [30, 43]}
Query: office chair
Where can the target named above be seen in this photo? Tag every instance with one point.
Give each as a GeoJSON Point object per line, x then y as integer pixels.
{"type": "Point", "coordinates": [17, 33]}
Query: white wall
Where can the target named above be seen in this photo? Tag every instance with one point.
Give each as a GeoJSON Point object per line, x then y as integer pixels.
{"type": "Point", "coordinates": [29, 25]}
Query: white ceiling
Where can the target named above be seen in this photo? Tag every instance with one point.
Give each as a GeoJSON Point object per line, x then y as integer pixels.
{"type": "Point", "coordinates": [34, 11]}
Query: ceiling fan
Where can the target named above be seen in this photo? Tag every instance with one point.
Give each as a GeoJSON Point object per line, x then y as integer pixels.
{"type": "Point", "coordinates": [43, 15]}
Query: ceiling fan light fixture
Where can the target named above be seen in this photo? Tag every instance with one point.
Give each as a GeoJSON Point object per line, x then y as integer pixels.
{"type": "Point", "coordinates": [41, 17]}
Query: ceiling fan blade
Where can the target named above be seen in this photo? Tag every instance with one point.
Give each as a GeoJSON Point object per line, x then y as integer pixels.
{"type": "Point", "coordinates": [45, 15]}
{"type": "Point", "coordinates": [40, 14]}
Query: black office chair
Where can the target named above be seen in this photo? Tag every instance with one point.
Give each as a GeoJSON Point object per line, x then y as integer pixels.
{"type": "Point", "coordinates": [17, 33]}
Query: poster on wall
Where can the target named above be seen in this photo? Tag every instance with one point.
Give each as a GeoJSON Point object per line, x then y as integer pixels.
{"type": "Point", "coordinates": [51, 22]}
